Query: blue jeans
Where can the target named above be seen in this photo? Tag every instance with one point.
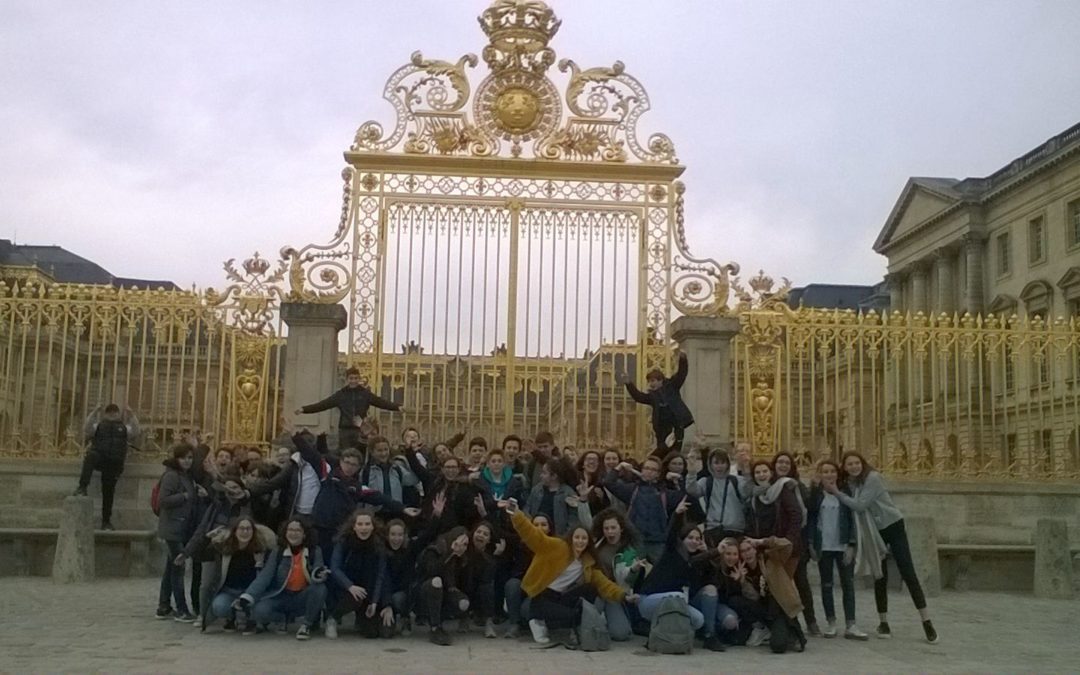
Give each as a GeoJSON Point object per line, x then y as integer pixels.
{"type": "Point", "coordinates": [517, 604]}
{"type": "Point", "coordinates": [648, 604]}
{"type": "Point", "coordinates": [618, 623]}
{"type": "Point", "coordinates": [221, 606]}
{"type": "Point", "coordinates": [286, 605]}
{"type": "Point", "coordinates": [706, 603]}
{"type": "Point", "coordinates": [172, 579]}
{"type": "Point", "coordinates": [829, 560]}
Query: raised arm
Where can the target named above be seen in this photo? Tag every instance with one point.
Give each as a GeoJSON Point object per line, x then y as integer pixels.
{"type": "Point", "coordinates": [680, 373]}
{"type": "Point", "coordinates": [327, 403]}
{"type": "Point", "coordinates": [530, 535]}
{"type": "Point", "coordinates": [636, 393]}
{"type": "Point", "coordinates": [872, 489]}
{"type": "Point", "coordinates": [379, 402]}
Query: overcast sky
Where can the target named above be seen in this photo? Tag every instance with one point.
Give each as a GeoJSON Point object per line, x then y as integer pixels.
{"type": "Point", "coordinates": [160, 139]}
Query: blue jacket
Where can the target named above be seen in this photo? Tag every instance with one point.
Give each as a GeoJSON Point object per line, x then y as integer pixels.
{"type": "Point", "coordinates": [272, 578]}
{"type": "Point", "coordinates": [648, 505]}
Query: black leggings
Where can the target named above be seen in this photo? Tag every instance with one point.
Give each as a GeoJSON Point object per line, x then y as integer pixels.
{"type": "Point", "coordinates": [802, 584]}
{"type": "Point", "coordinates": [561, 610]}
{"type": "Point", "coordinates": [441, 603]}
{"type": "Point", "coordinates": [371, 627]}
{"type": "Point", "coordinates": [895, 537]}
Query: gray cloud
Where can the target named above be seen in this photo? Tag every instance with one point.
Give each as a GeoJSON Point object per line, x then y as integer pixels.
{"type": "Point", "coordinates": [160, 139]}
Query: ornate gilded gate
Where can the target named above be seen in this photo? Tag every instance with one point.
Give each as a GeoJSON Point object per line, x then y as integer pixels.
{"type": "Point", "coordinates": [505, 253]}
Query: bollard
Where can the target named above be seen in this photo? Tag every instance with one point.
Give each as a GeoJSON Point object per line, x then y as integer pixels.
{"type": "Point", "coordinates": [74, 560]}
{"type": "Point", "coordinates": [1053, 560]}
{"type": "Point", "coordinates": [922, 536]}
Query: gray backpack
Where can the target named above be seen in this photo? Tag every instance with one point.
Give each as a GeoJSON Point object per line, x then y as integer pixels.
{"type": "Point", "coordinates": [593, 630]}
{"type": "Point", "coordinates": [671, 631]}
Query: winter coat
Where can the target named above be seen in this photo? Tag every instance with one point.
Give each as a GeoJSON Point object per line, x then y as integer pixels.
{"type": "Point", "coordinates": [351, 402]}
{"type": "Point", "coordinates": [363, 564]}
{"type": "Point", "coordinates": [551, 557]}
{"type": "Point", "coordinates": [648, 505]}
{"type": "Point", "coordinates": [668, 407]}
{"type": "Point", "coordinates": [566, 518]}
{"type": "Point", "coordinates": [813, 513]}
{"type": "Point", "coordinates": [178, 501]}
{"type": "Point", "coordinates": [275, 573]}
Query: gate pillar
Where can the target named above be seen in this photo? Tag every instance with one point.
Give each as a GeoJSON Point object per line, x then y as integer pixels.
{"type": "Point", "coordinates": [708, 390]}
{"type": "Point", "coordinates": [311, 351]}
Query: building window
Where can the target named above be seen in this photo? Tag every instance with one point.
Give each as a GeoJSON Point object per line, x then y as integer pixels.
{"type": "Point", "coordinates": [1072, 222]}
{"type": "Point", "coordinates": [1036, 241]}
{"type": "Point", "coordinates": [1004, 254]}
{"type": "Point", "coordinates": [1044, 444]}
{"type": "Point", "coordinates": [1008, 369]}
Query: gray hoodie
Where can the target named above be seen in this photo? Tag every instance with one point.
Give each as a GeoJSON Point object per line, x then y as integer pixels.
{"type": "Point", "coordinates": [727, 499]}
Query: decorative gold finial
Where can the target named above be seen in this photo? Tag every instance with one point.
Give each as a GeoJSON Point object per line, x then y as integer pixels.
{"type": "Point", "coordinates": [519, 32]}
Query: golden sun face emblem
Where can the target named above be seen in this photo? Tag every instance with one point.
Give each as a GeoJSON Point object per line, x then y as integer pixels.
{"type": "Point", "coordinates": [517, 109]}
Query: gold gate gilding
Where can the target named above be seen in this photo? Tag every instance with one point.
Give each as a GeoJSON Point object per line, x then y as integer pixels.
{"type": "Point", "coordinates": [506, 249]}
{"type": "Point", "coordinates": [930, 396]}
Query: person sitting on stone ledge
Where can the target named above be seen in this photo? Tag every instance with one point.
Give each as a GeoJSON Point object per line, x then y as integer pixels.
{"type": "Point", "coordinates": [108, 433]}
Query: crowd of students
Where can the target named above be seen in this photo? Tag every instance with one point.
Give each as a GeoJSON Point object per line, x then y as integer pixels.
{"type": "Point", "coordinates": [522, 539]}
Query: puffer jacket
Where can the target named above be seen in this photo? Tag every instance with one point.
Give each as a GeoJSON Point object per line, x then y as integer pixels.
{"type": "Point", "coordinates": [178, 502]}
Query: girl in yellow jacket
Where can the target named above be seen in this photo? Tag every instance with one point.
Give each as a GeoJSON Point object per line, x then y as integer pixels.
{"type": "Point", "coordinates": [562, 576]}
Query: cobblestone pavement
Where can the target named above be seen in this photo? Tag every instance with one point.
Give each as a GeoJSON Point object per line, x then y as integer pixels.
{"type": "Point", "coordinates": [109, 627]}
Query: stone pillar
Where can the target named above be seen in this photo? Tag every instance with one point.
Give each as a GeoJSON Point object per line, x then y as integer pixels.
{"type": "Point", "coordinates": [895, 282]}
{"type": "Point", "coordinates": [311, 355]}
{"type": "Point", "coordinates": [1053, 561]}
{"type": "Point", "coordinates": [74, 559]}
{"type": "Point", "coordinates": [946, 292]}
{"type": "Point", "coordinates": [918, 288]}
{"type": "Point", "coordinates": [708, 389]}
{"type": "Point", "coordinates": [974, 301]}
{"type": "Point", "coordinates": [922, 536]}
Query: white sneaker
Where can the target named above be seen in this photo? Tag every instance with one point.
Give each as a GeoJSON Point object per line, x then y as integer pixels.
{"type": "Point", "coordinates": [853, 633]}
{"type": "Point", "coordinates": [758, 636]}
{"type": "Point", "coordinates": [539, 631]}
{"type": "Point", "coordinates": [830, 630]}
{"type": "Point", "coordinates": [331, 628]}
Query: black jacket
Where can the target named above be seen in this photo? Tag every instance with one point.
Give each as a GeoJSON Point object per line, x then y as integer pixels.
{"type": "Point", "coordinates": [667, 405]}
{"type": "Point", "coordinates": [351, 402]}
{"type": "Point", "coordinates": [813, 513]}
{"type": "Point", "coordinates": [110, 441]}
{"type": "Point", "coordinates": [218, 514]}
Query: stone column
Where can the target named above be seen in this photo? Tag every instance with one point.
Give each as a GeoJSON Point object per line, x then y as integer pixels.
{"type": "Point", "coordinates": [708, 389]}
{"type": "Point", "coordinates": [922, 536]}
{"type": "Point", "coordinates": [311, 354]}
{"type": "Point", "coordinates": [1053, 560]}
{"type": "Point", "coordinates": [918, 288]}
{"type": "Point", "coordinates": [974, 300]}
{"type": "Point", "coordinates": [74, 559]}
{"type": "Point", "coordinates": [895, 283]}
{"type": "Point", "coordinates": [946, 293]}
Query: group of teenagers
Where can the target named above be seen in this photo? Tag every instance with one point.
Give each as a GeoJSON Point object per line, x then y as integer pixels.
{"type": "Point", "coordinates": [404, 536]}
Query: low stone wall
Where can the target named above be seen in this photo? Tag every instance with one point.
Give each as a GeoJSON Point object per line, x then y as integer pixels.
{"type": "Point", "coordinates": [989, 513]}
{"type": "Point", "coordinates": [32, 493]}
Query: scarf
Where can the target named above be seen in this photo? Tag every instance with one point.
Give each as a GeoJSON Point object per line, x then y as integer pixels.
{"type": "Point", "coordinates": [870, 548]}
{"type": "Point", "coordinates": [498, 487]}
{"type": "Point", "coordinates": [768, 494]}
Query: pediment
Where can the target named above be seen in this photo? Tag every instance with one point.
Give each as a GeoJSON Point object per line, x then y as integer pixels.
{"type": "Point", "coordinates": [918, 203]}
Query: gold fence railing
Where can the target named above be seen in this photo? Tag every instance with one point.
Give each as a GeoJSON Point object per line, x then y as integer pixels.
{"type": "Point", "coordinates": [924, 396]}
{"type": "Point", "coordinates": [178, 360]}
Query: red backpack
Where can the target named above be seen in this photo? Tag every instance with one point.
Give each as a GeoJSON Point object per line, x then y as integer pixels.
{"type": "Point", "coordinates": [155, 498]}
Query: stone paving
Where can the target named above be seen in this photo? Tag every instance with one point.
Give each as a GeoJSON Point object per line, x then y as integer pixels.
{"type": "Point", "coordinates": [108, 627]}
